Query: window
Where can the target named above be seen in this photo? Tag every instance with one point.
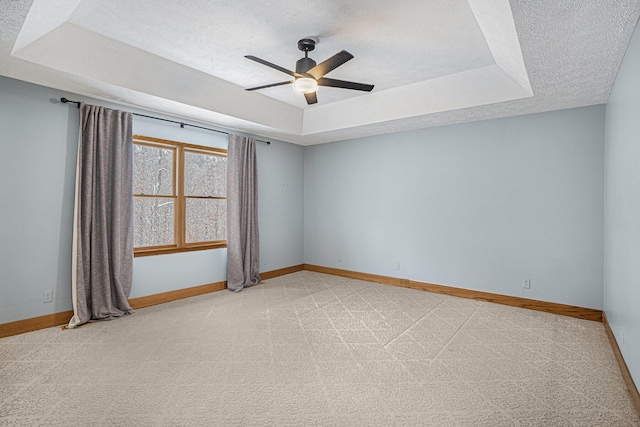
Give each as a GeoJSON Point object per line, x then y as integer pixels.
{"type": "Point", "coordinates": [179, 196]}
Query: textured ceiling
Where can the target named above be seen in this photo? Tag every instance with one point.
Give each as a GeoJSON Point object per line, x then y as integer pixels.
{"type": "Point", "coordinates": [432, 62]}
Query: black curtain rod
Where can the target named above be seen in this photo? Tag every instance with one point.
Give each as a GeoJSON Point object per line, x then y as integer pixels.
{"type": "Point", "coordinates": [182, 125]}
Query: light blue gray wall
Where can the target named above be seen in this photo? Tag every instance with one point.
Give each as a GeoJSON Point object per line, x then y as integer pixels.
{"type": "Point", "coordinates": [622, 209]}
{"type": "Point", "coordinates": [37, 172]}
{"type": "Point", "coordinates": [479, 205]}
{"type": "Point", "coordinates": [38, 147]}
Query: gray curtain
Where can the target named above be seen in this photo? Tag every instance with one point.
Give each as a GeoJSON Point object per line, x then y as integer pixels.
{"type": "Point", "coordinates": [103, 216]}
{"type": "Point", "coordinates": [242, 214]}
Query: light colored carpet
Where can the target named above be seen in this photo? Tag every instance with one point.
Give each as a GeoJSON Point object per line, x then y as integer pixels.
{"type": "Point", "coordinates": [309, 349]}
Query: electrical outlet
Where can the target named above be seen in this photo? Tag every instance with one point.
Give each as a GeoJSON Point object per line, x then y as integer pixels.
{"type": "Point", "coordinates": [622, 335]}
{"type": "Point", "coordinates": [397, 266]}
{"type": "Point", "coordinates": [47, 296]}
{"type": "Point", "coordinates": [526, 283]}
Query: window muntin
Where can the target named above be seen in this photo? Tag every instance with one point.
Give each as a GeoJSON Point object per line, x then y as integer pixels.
{"type": "Point", "coordinates": [179, 196]}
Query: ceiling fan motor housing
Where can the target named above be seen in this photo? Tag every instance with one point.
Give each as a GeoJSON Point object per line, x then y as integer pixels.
{"type": "Point", "coordinates": [304, 64]}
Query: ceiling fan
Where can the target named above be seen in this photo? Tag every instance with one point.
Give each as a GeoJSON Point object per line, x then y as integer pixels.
{"type": "Point", "coordinates": [308, 76]}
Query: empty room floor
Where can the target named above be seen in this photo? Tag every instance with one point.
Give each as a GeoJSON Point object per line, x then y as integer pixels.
{"type": "Point", "coordinates": [309, 349]}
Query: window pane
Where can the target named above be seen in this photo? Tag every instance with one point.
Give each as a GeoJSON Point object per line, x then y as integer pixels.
{"type": "Point", "coordinates": [206, 220]}
{"type": "Point", "coordinates": [205, 175]}
{"type": "Point", "coordinates": [152, 170]}
{"type": "Point", "coordinates": [152, 221]}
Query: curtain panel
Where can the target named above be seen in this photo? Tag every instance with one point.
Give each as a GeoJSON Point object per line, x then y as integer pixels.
{"type": "Point", "coordinates": [243, 243]}
{"type": "Point", "coordinates": [102, 261]}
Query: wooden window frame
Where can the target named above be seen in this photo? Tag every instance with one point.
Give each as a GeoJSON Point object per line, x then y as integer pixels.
{"type": "Point", "coordinates": [180, 200]}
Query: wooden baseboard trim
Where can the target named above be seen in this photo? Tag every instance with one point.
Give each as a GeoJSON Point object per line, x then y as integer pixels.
{"type": "Point", "coordinates": [35, 323]}
{"type": "Point", "coordinates": [531, 304]}
{"type": "Point", "coordinates": [358, 275]}
{"type": "Point", "coordinates": [549, 307]}
{"type": "Point", "coordinates": [178, 294]}
{"type": "Point", "coordinates": [281, 272]}
{"type": "Point", "coordinates": [62, 318]}
{"type": "Point", "coordinates": [631, 386]}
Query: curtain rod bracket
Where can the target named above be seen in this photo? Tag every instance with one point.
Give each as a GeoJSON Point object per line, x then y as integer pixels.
{"type": "Point", "coordinates": [182, 125]}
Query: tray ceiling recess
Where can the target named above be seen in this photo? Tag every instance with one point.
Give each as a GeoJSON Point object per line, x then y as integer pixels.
{"type": "Point", "coordinates": [432, 62]}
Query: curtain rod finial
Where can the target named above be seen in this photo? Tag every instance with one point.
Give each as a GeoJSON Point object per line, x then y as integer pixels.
{"type": "Point", "coordinates": [65, 100]}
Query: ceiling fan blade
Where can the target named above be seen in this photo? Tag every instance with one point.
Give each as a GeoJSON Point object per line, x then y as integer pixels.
{"type": "Point", "coordinates": [344, 84]}
{"type": "Point", "coordinates": [271, 85]}
{"type": "Point", "coordinates": [311, 98]}
{"type": "Point", "coordinates": [274, 66]}
{"type": "Point", "coordinates": [330, 64]}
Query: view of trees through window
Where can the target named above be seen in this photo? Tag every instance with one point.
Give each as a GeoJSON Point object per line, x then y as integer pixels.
{"type": "Point", "coordinates": [205, 178]}
{"type": "Point", "coordinates": [154, 189]}
{"type": "Point", "coordinates": [179, 195]}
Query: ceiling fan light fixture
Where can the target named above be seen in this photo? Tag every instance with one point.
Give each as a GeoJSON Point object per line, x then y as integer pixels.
{"type": "Point", "coordinates": [305, 85]}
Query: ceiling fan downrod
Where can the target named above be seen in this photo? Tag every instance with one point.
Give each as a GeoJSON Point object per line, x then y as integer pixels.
{"type": "Point", "coordinates": [305, 64]}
